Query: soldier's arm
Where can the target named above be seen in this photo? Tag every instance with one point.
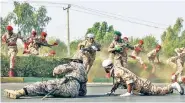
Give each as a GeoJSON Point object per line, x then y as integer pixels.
{"type": "Point", "coordinates": [64, 68]}
{"type": "Point", "coordinates": [4, 38]}
{"type": "Point", "coordinates": [130, 46]}
{"type": "Point", "coordinates": [80, 45]}
{"type": "Point", "coordinates": [111, 47]}
{"type": "Point", "coordinates": [114, 87]}
{"type": "Point", "coordinates": [150, 53]}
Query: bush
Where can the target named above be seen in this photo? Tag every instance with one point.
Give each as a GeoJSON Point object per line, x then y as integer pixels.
{"type": "Point", "coordinates": [31, 66]}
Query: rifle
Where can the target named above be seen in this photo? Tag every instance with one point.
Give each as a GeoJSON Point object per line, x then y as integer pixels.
{"type": "Point", "coordinates": [73, 60]}
{"type": "Point", "coordinates": [90, 48]}
{"type": "Point", "coordinates": [115, 86]}
{"type": "Point", "coordinates": [65, 81]}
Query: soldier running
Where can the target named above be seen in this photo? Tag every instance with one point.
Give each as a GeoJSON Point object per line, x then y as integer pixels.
{"type": "Point", "coordinates": [87, 51]}
{"type": "Point", "coordinates": [10, 39]}
{"type": "Point", "coordinates": [152, 55]}
{"type": "Point", "coordinates": [135, 54]}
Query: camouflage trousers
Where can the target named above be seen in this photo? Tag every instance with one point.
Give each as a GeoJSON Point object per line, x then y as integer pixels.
{"type": "Point", "coordinates": [12, 52]}
{"type": "Point", "coordinates": [70, 88]}
{"type": "Point", "coordinates": [179, 65]}
{"type": "Point", "coordinates": [146, 87]}
{"type": "Point", "coordinates": [88, 62]}
{"type": "Point", "coordinates": [121, 62]}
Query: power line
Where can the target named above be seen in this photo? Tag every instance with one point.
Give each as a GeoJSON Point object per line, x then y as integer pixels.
{"type": "Point", "coordinates": [117, 18]}
{"type": "Point", "coordinates": [93, 10]}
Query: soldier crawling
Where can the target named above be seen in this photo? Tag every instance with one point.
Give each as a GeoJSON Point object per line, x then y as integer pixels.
{"type": "Point", "coordinates": [136, 84]}
{"type": "Point", "coordinates": [73, 83]}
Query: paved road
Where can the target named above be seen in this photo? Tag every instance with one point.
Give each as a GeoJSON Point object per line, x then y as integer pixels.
{"type": "Point", "coordinates": [95, 94]}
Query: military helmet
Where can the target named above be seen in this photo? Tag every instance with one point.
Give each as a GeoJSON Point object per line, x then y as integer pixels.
{"type": "Point", "coordinates": [90, 35]}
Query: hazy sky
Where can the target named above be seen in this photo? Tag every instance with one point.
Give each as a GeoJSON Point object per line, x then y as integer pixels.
{"type": "Point", "coordinates": [163, 12]}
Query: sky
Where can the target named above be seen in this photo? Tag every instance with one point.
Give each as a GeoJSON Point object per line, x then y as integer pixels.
{"type": "Point", "coordinates": [164, 13]}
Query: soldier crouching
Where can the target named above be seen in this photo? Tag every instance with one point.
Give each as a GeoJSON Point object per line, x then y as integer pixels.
{"type": "Point", "coordinates": [73, 83]}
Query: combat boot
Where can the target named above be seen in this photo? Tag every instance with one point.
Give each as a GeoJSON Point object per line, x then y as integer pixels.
{"type": "Point", "coordinates": [14, 94]}
{"type": "Point", "coordinates": [11, 73]}
{"type": "Point", "coordinates": [178, 87]}
{"type": "Point", "coordinates": [181, 80]}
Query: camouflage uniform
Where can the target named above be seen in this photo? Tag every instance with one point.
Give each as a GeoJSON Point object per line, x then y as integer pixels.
{"type": "Point", "coordinates": [73, 83]}
{"type": "Point", "coordinates": [29, 41]}
{"type": "Point", "coordinates": [120, 58]}
{"type": "Point", "coordinates": [12, 47]}
{"type": "Point", "coordinates": [178, 60]}
{"type": "Point", "coordinates": [152, 55]}
{"type": "Point", "coordinates": [88, 57]}
{"type": "Point", "coordinates": [34, 46]}
{"type": "Point", "coordinates": [136, 52]}
{"type": "Point", "coordinates": [140, 85]}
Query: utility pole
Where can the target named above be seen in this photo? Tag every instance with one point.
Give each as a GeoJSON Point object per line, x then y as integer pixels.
{"type": "Point", "coordinates": [68, 33]}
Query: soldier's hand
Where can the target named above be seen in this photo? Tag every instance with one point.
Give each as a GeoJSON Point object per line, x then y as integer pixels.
{"type": "Point", "coordinates": [55, 43]}
{"type": "Point", "coordinates": [118, 48]}
{"type": "Point", "coordinates": [94, 48]}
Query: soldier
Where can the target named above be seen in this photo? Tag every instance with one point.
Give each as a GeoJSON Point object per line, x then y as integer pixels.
{"type": "Point", "coordinates": [135, 54]}
{"type": "Point", "coordinates": [10, 39]}
{"type": "Point", "coordinates": [37, 43]}
{"type": "Point", "coordinates": [136, 84]}
{"type": "Point", "coordinates": [29, 40]}
{"type": "Point", "coordinates": [152, 55]}
{"type": "Point", "coordinates": [179, 61]}
{"type": "Point", "coordinates": [87, 51]}
{"type": "Point", "coordinates": [73, 83]}
{"type": "Point", "coordinates": [117, 49]}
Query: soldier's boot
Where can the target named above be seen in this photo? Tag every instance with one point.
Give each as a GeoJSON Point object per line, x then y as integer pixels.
{"type": "Point", "coordinates": [144, 66]}
{"type": "Point", "coordinates": [11, 73]}
{"type": "Point", "coordinates": [178, 87]}
{"type": "Point", "coordinates": [181, 80]}
{"type": "Point", "coordinates": [14, 94]}
{"type": "Point", "coordinates": [126, 94]}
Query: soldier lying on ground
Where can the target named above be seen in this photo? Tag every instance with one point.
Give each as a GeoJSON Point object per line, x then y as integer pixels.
{"type": "Point", "coordinates": [73, 83]}
{"type": "Point", "coordinates": [136, 84]}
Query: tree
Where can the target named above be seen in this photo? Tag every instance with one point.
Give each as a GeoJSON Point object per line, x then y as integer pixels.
{"type": "Point", "coordinates": [41, 19]}
{"type": "Point", "coordinates": [28, 18]}
{"type": "Point", "coordinates": [6, 21]}
{"type": "Point", "coordinates": [172, 38]}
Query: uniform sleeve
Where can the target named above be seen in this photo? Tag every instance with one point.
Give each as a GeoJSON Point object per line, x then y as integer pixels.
{"type": "Point", "coordinates": [111, 47]}
{"type": "Point", "coordinates": [150, 53]}
{"type": "Point", "coordinates": [81, 44]}
{"type": "Point", "coordinates": [130, 46]}
{"type": "Point", "coordinates": [62, 69]}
